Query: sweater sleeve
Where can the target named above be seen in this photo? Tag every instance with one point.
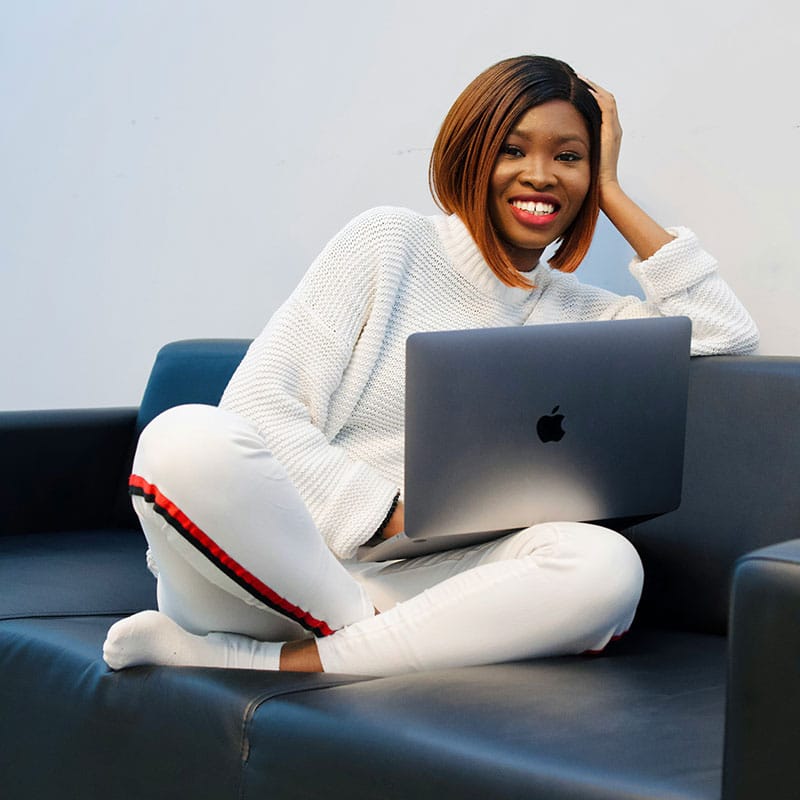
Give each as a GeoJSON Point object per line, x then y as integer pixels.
{"type": "Point", "coordinates": [285, 383]}
{"type": "Point", "coordinates": [680, 279]}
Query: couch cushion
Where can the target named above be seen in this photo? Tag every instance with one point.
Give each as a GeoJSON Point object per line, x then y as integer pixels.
{"type": "Point", "coordinates": [72, 728]}
{"type": "Point", "coordinates": [643, 721]}
{"type": "Point", "coordinates": [69, 573]}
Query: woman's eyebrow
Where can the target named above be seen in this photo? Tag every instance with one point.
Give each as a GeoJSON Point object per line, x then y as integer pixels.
{"type": "Point", "coordinates": [566, 138]}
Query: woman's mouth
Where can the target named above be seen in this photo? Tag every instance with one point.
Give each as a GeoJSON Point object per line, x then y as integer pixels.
{"type": "Point", "coordinates": [534, 212]}
{"type": "Point", "coordinates": [537, 209]}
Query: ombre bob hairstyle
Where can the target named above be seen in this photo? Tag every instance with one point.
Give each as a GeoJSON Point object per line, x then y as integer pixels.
{"type": "Point", "coordinates": [469, 142]}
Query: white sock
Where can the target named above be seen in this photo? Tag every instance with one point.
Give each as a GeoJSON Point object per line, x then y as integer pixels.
{"type": "Point", "coordinates": [151, 637]}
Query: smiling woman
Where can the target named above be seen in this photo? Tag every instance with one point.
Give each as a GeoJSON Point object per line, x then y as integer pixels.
{"type": "Point", "coordinates": [254, 510]}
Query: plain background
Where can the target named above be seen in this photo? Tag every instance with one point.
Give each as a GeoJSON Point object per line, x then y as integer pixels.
{"type": "Point", "coordinates": [170, 168]}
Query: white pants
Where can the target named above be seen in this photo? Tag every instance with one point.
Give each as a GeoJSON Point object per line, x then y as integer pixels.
{"type": "Point", "coordinates": [236, 550]}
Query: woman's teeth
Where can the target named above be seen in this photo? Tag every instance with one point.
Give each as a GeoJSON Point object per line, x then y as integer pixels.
{"type": "Point", "coordinates": [537, 209]}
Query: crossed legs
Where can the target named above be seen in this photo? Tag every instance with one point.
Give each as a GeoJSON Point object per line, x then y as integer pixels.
{"type": "Point", "coordinates": [246, 580]}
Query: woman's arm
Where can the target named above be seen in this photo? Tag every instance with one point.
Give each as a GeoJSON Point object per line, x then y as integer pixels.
{"type": "Point", "coordinates": [290, 383]}
{"type": "Point", "coordinates": [678, 277]}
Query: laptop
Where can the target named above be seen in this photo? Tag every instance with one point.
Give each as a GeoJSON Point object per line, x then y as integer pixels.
{"type": "Point", "coordinates": [509, 427]}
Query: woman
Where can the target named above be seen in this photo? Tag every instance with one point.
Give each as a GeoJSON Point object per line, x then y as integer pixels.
{"type": "Point", "coordinates": [254, 510]}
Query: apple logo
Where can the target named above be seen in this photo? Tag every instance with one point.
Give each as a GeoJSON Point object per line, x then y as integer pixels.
{"type": "Point", "coordinates": [549, 427]}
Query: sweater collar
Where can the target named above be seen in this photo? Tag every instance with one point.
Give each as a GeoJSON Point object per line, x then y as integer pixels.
{"type": "Point", "coordinates": [468, 261]}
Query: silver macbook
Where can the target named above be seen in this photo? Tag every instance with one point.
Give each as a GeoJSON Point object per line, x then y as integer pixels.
{"type": "Point", "coordinates": [508, 427]}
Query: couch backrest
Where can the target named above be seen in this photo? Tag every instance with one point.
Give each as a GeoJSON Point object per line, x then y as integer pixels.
{"type": "Point", "coordinates": [190, 371]}
{"type": "Point", "coordinates": [739, 488]}
{"type": "Point", "coordinates": [740, 471]}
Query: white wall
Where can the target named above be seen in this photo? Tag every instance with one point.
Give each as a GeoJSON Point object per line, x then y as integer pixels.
{"type": "Point", "coordinates": [171, 167]}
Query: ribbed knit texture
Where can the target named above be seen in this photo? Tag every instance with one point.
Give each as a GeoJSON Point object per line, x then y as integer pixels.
{"type": "Point", "coordinates": [324, 382]}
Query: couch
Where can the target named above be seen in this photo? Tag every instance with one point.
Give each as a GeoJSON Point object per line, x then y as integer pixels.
{"type": "Point", "coordinates": [700, 700]}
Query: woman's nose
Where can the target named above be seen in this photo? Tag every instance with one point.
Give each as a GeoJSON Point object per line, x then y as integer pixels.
{"type": "Point", "coordinates": [538, 173]}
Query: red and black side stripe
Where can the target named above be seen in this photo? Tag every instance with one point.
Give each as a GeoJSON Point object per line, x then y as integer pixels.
{"type": "Point", "coordinates": [214, 553]}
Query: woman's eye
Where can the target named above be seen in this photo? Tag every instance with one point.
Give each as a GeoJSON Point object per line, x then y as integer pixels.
{"type": "Point", "coordinates": [568, 157]}
{"type": "Point", "coordinates": [511, 150]}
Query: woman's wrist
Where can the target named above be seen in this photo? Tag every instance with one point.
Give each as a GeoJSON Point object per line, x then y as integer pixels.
{"type": "Point", "coordinates": [610, 193]}
{"type": "Point", "coordinates": [395, 522]}
{"type": "Point", "coordinates": [387, 528]}
{"type": "Point", "coordinates": [640, 230]}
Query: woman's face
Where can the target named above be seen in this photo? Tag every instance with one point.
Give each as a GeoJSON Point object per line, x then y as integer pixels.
{"type": "Point", "coordinates": [540, 180]}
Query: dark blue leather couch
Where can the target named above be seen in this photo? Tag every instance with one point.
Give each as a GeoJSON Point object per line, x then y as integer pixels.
{"type": "Point", "coordinates": [700, 700]}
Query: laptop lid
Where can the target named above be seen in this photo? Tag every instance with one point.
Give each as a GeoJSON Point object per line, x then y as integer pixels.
{"type": "Point", "coordinates": [509, 427]}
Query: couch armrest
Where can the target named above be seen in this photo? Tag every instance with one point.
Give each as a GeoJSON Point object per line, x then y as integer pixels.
{"type": "Point", "coordinates": [65, 470]}
{"type": "Point", "coordinates": [763, 715]}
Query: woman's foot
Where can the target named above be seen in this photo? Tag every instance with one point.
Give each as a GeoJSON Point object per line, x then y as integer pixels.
{"type": "Point", "coordinates": [151, 637]}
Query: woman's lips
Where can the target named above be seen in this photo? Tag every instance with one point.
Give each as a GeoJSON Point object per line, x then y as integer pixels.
{"type": "Point", "coordinates": [534, 213]}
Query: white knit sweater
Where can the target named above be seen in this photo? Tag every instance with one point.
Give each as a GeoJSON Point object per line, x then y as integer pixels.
{"type": "Point", "coordinates": [324, 382]}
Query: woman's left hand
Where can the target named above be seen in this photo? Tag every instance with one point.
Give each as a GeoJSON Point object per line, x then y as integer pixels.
{"type": "Point", "coordinates": [610, 135]}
